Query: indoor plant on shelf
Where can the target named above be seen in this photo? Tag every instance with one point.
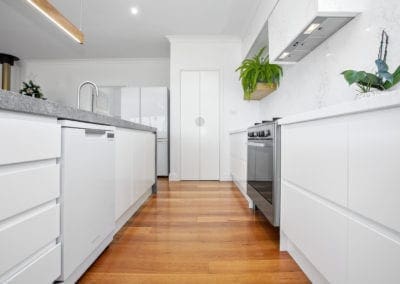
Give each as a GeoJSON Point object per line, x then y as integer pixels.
{"type": "Point", "coordinates": [259, 78]}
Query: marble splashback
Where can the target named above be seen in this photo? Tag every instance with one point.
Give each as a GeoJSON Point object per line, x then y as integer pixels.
{"type": "Point", "coordinates": [316, 81]}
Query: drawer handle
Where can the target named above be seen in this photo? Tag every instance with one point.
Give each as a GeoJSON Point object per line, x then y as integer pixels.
{"type": "Point", "coordinates": [95, 132]}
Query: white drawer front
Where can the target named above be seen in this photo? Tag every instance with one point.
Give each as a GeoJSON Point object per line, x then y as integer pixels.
{"type": "Point", "coordinates": [20, 240]}
{"type": "Point", "coordinates": [314, 157]}
{"type": "Point", "coordinates": [374, 163]}
{"type": "Point", "coordinates": [318, 231]}
{"type": "Point", "coordinates": [29, 140]}
{"type": "Point", "coordinates": [43, 270]}
{"type": "Point", "coordinates": [373, 257]}
{"type": "Point", "coordinates": [25, 189]}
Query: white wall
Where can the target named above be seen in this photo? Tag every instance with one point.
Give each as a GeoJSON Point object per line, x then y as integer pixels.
{"type": "Point", "coordinates": [197, 53]}
{"type": "Point", "coordinates": [60, 79]}
{"type": "Point", "coordinates": [316, 82]}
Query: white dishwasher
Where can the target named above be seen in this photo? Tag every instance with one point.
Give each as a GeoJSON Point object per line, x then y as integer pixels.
{"type": "Point", "coordinates": [87, 195]}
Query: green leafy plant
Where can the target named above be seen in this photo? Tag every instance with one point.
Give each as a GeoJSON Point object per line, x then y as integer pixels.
{"type": "Point", "coordinates": [382, 79]}
{"type": "Point", "coordinates": [258, 70]}
{"type": "Point", "coordinates": [32, 90]}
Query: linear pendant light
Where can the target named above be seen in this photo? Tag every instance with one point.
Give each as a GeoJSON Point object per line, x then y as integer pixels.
{"type": "Point", "coordinates": [48, 10]}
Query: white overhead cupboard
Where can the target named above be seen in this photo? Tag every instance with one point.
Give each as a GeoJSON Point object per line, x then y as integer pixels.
{"type": "Point", "coordinates": [340, 192]}
{"type": "Point", "coordinates": [200, 92]}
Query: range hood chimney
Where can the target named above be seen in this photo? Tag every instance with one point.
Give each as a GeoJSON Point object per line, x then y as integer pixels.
{"type": "Point", "coordinates": [7, 61]}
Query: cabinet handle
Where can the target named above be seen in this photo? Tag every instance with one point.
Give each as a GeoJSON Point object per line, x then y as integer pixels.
{"type": "Point", "coordinates": [199, 121]}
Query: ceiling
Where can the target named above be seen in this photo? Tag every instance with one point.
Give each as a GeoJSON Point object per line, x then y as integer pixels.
{"type": "Point", "coordinates": [111, 31]}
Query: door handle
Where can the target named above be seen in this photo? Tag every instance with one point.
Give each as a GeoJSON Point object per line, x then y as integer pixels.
{"type": "Point", "coordinates": [199, 121]}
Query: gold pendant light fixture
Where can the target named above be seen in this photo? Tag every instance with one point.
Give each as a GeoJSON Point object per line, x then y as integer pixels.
{"type": "Point", "coordinates": [50, 12]}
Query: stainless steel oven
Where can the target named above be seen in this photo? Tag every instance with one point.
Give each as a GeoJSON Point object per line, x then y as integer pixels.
{"type": "Point", "coordinates": [263, 169]}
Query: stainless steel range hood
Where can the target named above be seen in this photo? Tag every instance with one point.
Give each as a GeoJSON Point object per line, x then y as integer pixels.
{"type": "Point", "coordinates": [313, 35]}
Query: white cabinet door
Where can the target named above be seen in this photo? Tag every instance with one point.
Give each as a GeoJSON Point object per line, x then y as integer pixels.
{"type": "Point", "coordinates": [28, 187]}
{"type": "Point", "coordinates": [200, 125]}
{"type": "Point", "coordinates": [209, 128]}
{"type": "Point", "coordinates": [150, 144]}
{"type": "Point", "coordinates": [314, 157]}
{"type": "Point", "coordinates": [130, 104]}
{"type": "Point", "coordinates": [190, 132]}
{"type": "Point", "coordinates": [162, 158]}
{"type": "Point", "coordinates": [374, 161]}
{"type": "Point", "coordinates": [31, 139]}
{"type": "Point", "coordinates": [124, 171]}
{"type": "Point", "coordinates": [373, 257]}
{"type": "Point", "coordinates": [45, 269]}
{"type": "Point", "coordinates": [26, 235]}
{"type": "Point", "coordinates": [317, 230]}
{"type": "Point", "coordinates": [154, 109]}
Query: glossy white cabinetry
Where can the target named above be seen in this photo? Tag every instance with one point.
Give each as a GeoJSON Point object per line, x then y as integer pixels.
{"type": "Point", "coordinates": [200, 125]}
{"type": "Point", "coordinates": [374, 160]}
{"type": "Point", "coordinates": [130, 104]}
{"type": "Point", "coordinates": [308, 146]}
{"type": "Point", "coordinates": [325, 247]}
{"type": "Point", "coordinates": [44, 269]}
{"type": "Point", "coordinates": [134, 169]}
{"type": "Point", "coordinates": [35, 139]}
{"type": "Point", "coordinates": [340, 195]}
{"type": "Point", "coordinates": [124, 170]}
{"type": "Point", "coordinates": [150, 106]}
{"type": "Point", "coordinates": [373, 256]}
{"type": "Point", "coordinates": [238, 160]}
{"type": "Point", "coordinates": [29, 192]}
{"type": "Point", "coordinates": [154, 109]}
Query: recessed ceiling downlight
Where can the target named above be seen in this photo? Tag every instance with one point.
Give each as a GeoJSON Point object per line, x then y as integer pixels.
{"type": "Point", "coordinates": [135, 10]}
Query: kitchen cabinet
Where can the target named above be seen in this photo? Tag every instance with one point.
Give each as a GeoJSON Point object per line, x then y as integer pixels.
{"type": "Point", "coordinates": [340, 191]}
{"type": "Point", "coordinates": [200, 125]}
{"type": "Point", "coordinates": [373, 257]}
{"type": "Point", "coordinates": [149, 106]}
{"type": "Point", "coordinates": [134, 168]}
{"type": "Point", "coordinates": [310, 145]}
{"type": "Point", "coordinates": [124, 170]}
{"type": "Point", "coordinates": [238, 160]}
{"type": "Point", "coordinates": [30, 187]}
{"type": "Point", "coordinates": [374, 160]}
{"type": "Point", "coordinates": [326, 247]}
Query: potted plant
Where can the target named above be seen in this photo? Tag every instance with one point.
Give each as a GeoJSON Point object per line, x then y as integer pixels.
{"type": "Point", "coordinates": [32, 90]}
{"type": "Point", "coordinates": [382, 79]}
{"type": "Point", "coordinates": [259, 78]}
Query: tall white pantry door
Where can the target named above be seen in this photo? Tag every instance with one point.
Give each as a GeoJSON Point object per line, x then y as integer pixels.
{"type": "Point", "coordinates": [200, 125]}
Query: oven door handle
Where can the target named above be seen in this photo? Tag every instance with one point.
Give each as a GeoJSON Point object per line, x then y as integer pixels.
{"type": "Point", "coordinates": [259, 145]}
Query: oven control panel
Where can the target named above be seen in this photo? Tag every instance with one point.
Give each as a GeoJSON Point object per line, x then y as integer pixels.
{"type": "Point", "coordinates": [261, 131]}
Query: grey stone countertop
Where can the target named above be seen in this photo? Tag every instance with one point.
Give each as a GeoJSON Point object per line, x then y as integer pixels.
{"type": "Point", "coordinates": [11, 101]}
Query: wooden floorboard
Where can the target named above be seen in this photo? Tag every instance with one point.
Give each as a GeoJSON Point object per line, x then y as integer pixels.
{"type": "Point", "coordinates": [195, 232]}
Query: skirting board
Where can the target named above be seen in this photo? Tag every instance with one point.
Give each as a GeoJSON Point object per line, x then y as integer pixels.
{"type": "Point", "coordinates": [132, 210]}
{"type": "Point", "coordinates": [308, 268]}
